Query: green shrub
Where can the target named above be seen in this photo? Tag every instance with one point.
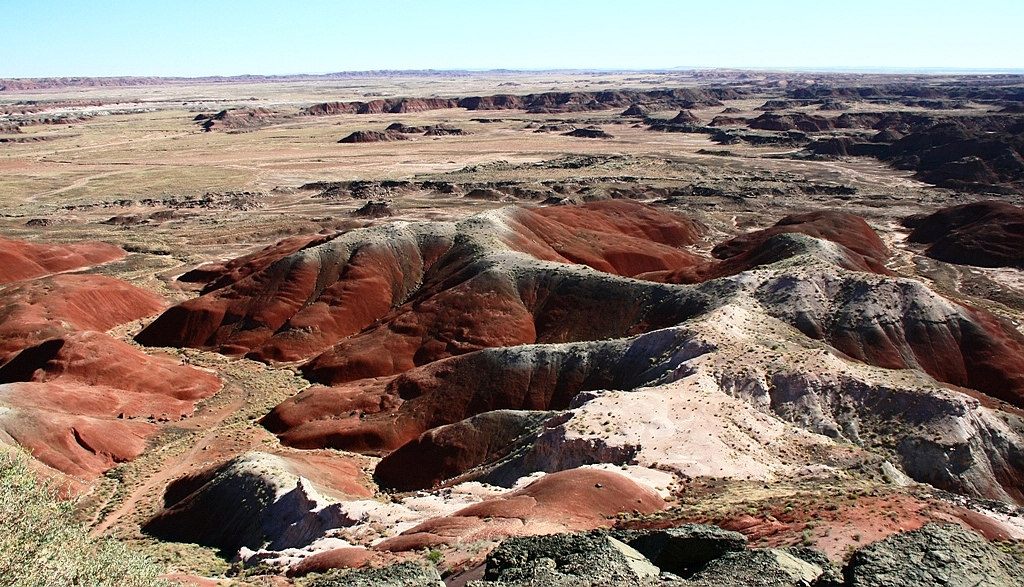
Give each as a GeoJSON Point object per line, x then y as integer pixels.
{"type": "Point", "coordinates": [40, 544]}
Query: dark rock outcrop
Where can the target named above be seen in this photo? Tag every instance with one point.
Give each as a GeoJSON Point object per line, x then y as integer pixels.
{"type": "Point", "coordinates": [590, 132]}
{"type": "Point", "coordinates": [761, 567]}
{"type": "Point", "coordinates": [932, 555]}
{"type": "Point", "coordinates": [374, 136]}
{"type": "Point", "coordinates": [442, 130]}
{"type": "Point", "coordinates": [406, 129]}
{"type": "Point", "coordinates": [567, 559]}
{"type": "Point", "coordinates": [407, 574]}
{"type": "Point", "coordinates": [636, 110]}
{"type": "Point", "coordinates": [685, 550]}
{"type": "Point", "coordinates": [237, 119]}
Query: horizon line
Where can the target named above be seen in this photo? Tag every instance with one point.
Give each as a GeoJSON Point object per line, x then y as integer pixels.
{"type": "Point", "coordinates": [930, 70]}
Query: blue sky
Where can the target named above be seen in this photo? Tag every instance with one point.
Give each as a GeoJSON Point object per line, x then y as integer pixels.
{"type": "Point", "coordinates": [189, 38]}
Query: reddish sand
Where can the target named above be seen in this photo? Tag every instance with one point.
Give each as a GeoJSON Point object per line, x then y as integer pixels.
{"type": "Point", "coordinates": [837, 524]}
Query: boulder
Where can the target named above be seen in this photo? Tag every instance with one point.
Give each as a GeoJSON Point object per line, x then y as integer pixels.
{"type": "Point", "coordinates": [567, 559]}
{"type": "Point", "coordinates": [933, 555]}
{"type": "Point", "coordinates": [768, 567]}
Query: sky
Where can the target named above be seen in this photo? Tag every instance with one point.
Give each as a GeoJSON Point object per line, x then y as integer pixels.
{"type": "Point", "coordinates": [50, 38]}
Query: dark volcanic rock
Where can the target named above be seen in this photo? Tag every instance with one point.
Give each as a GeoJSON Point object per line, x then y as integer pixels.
{"type": "Point", "coordinates": [933, 555]}
{"type": "Point", "coordinates": [567, 559]}
{"type": "Point", "coordinates": [769, 567]}
{"type": "Point", "coordinates": [407, 574]}
{"type": "Point", "coordinates": [985, 234]}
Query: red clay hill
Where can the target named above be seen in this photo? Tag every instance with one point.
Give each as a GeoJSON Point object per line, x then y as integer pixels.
{"type": "Point", "coordinates": [77, 398]}
{"type": "Point", "coordinates": [578, 499]}
{"type": "Point", "coordinates": [861, 248]}
{"type": "Point", "coordinates": [430, 290]}
{"type": "Point", "coordinates": [984, 234]}
{"type": "Point", "coordinates": [21, 260]}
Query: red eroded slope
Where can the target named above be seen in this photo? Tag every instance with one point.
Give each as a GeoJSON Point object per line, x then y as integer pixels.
{"type": "Point", "coordinates": [414, 294]}
{"type": "Point", "coordinates": [573, 500]}
{"type": "Point", "coordinates": [79, 445]}
{"type": "Point", "coordinates": [219, 274]}
{"type": "Point", "coordinates": [25, 260]}
{"type": "Point", "coordinates": [973, 349]}
{"type": "Point", "coordinates": [70, 391]}
{"type": "Point", "coordinates": [985, 234]}
{"type": "Point", "coordinates": [383, 414]}
{"type": "Point", "coordinates": [623, 237]}
{"type": "Point", "coordinates": [300, 303]}
{"type": "Point", "coordinates": [52, 306]}
{"type": "Point", "coordinates": [94, 363]}
{"type": "Point", "coordinates": [862, 248]}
